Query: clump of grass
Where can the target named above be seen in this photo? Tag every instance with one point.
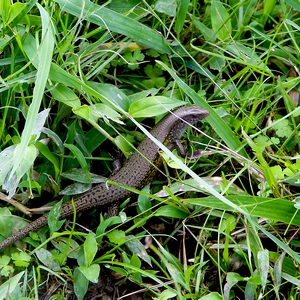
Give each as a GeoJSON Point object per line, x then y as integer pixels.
{"type": "Point", "coordinates": [224, 224]}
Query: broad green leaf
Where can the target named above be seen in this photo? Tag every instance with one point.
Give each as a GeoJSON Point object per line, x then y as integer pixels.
{"type": "Point", "coordinates": [251, 287]}
{"type": "Point", "coordinates": [9, 285]}
{"type": "Point", "coordinates": [191, 184]}
{"type": "Point", "coordinates": [100, 110]}
{"type": "Point", "coordinates": [217, 63]}
{"type": "Point", "coordinates": [212, 296]}
{"type": "Point", "coordinates": [153, 106]}
{"type": "Point", "coordinates": [53, 219]}
{"type": "Point", "coordinates": [76, 189]}
{"type": "Point", "coordinates": [166, 294]}
{"type": "Point", "coordinates": [117, 237]}
{"type": "Point", "coordinates": [168, 7]}
{"type": "Point", "coordinates": [106, 223]}
{"type": "Point", "coordinates": [39, 124]}
{"type": "Point", "coordinates": [15, 10]}
{"type": "Point", "coordinates": [227, 224]}
{"type": "Point", "coordinates": [29, 155]}
{"type": "Point", "coordinates": [65, 95]}
{"type": "Point", "coordinates": [144, 204]}
{"type": "Point", "coordinates": [91, 273]}
{"type": "Point", "coordinates": [94, 112]}
{"type": "Point", "coordinates": [79, 156]}
{"type": "Point", "coordinates": [81, 284]}
{"type": "Point", "coordinates": [31, 45]}
{"type": "Point", "coordinates": [5, 7]}
{"type": "Point", "coordinates": [6, 162]}
{"type": "Point", "coordinates": [136, 247]}
{"type": "Point", "coordinates": [49, 155]}
{"type": "Point", "coordinates": [112, 93]}
{"type": "Point", "coordinates": [135, 261]}
{"type": "Point", "coordinates": [220, 20]}
{"type": "Point", "coordinates": [231, 280]}
{"type": "Point", "coordinates": [90, 249]}
{"type": "Point", "coordinates": [5, 267]}
{"type": "Point", "coordinates": [103, 92]}
{"type": "Point", "coordinates": [9, 155]}
{"type": "Point", "coordinates": [9, 222]}
{"type": "Point", "coordinates": [262, 142]}
{"type": "Point", "coordinates": [47, 259]}
{"type": "Point", "coordinates": [79, 176]}
{"type": "Point", "coordinates": [170, 211]}
{"type": "Point", "coordinates": [65, 244]}
{"type": "Point", "coordinates": [124, 143]}
{"type": "Point", "coordinates": [283, 128]}
{"type": "Point", "coordinates": [263, 266]}
{"type": "Point", "coordinates": [22, 16]}
{"type": "Point", "coordinates": [234, 277]}
{"type": "Point", "coordinates": [4, 41]}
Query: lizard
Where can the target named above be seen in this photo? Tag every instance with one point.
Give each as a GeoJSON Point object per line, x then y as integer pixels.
{"type": "Point", "coordinates": [138, 170]}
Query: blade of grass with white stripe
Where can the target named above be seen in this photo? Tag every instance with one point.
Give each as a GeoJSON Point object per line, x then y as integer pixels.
{"type": "Point", "coordinates": [45, 56]}
{"type": "Point", "coordinates": [116, 22]}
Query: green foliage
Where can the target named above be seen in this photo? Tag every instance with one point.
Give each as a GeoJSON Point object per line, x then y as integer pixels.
{"type": "Point", "coordinates": [220, 20]}
{"type": "Point", "coordinates": [70, 77]}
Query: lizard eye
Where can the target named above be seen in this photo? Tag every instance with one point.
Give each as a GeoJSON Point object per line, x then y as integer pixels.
{"type": "Point", "coordinates": [194, 117]}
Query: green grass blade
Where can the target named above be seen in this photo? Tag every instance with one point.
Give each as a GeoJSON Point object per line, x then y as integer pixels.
{"type": "Point", "coordinates": [116, 22]}
{"type": "Point", "coordinates": [45, 57]}
{"type": "Point", "coordinates": [294, 3]}
{"type": "Point", "coordinates": [271, 208]}
{"type": "Point", "coordinates": [181, 15]}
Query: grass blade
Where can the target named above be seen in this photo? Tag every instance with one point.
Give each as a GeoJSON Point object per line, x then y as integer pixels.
{"type": "Point", "coordinates": [45, 56]}
{"type": "Point", "coordinates": [270, 208]}
{"type": "Point", "coordinates": [116, 22]}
